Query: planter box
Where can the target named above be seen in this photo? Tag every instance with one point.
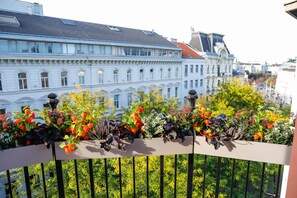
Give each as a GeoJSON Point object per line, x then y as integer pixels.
{"type": "Point", "coordinates": [24, 156]}
{"type": "Point", "coordinates": [253, 151]}
{"type": "Point", "coordinates": [140, 147]}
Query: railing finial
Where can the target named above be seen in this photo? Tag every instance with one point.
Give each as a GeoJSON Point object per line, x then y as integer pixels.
{"type": "Point", "coordinates": [53, 101]}
{"type": "Point", "coordinates": [192, 96]}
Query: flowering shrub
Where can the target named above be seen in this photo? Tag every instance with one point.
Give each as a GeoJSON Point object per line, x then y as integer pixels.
{"type": "Point", "coordinates": [6, 128]}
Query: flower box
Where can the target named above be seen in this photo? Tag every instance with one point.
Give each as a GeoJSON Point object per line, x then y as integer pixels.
{"type": "Point", "coordinates": [24, 156]}
{"type": "Point", "coordinates": [246, 150]}
{"type": "Point", "coordinates": [90, 149]}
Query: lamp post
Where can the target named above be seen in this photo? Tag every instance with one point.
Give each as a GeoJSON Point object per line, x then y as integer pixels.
{"type": "Point", "coordinates": [192, 96]}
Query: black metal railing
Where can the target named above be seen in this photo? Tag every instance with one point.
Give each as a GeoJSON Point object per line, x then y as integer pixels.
{"type": "Point", "coordinates": [188, 175]}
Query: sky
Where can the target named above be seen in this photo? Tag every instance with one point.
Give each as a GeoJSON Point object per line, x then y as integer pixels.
{"type": "Point", "coordinates": [255, 30]}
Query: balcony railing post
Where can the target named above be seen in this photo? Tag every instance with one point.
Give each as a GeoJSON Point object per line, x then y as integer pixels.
{"type": "Point", "coordinates": [53, 102]}
{"type": "Point", "coordinates": [192, 99]}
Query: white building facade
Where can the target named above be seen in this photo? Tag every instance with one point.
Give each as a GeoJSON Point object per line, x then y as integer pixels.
{"type": "Point", "coordinates": [218, 59]}
{"type": "Point", "coordinates": [41, 55]}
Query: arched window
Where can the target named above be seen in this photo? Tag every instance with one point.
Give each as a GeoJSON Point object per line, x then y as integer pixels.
{"type": "Point", "coordinates": [64, 81]}
{"type": "Point", "coordinates": [22, 80]}
{"type": "Point", "coordinates": [81, 77]}
{"type": "Point", "coordinates": [100, 76]}
{"type": "Point", "coordinates": [115, 76]}
{"type": "Point", "coordinates": [44, 80]}
{"type": "Point", "coordinates": [129, 75]}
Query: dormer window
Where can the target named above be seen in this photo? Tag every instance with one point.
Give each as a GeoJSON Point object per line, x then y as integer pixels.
{"type": "Point", "coordinates": [113, 28]}
{"type": "Point", "coordinates": [149, 33]}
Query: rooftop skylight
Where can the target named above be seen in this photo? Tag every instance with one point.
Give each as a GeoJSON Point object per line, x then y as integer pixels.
{"type": "Point", "coordinates": [68, 22]}
{"type": "Point", "coordinates": [149, 33]}
{"type": "Point", "coordinates": [9, 21]}
{"type": "Point", "coordinates": [113, 28]}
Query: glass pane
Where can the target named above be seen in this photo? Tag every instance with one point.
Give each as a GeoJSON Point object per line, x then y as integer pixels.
{"type": "Point", "coordinates": [22, 47]}
{"type": "Point", "coordinates": [3, 46]}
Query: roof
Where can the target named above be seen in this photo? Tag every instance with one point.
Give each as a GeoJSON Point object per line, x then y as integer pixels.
{"type": "Point", "coordinates": [187, 51]}
{"type": "Point", "coordinates": [71, 29]}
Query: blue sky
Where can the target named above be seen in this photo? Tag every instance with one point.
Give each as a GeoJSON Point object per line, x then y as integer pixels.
{"type": "Point", "coordinates": [255, 30]}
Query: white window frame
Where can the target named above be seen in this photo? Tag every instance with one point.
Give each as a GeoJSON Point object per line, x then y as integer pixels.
{"type": "Point", "coordinates": [64, 78]}
{"type": "Point", "coordinates": [100, 76]}
{"type": "Point", "coordinates": [22, 81]}
{"type": "Point", "coordinates": [44, 80]}
{"type": "Point", "coordinates": [81, 77]}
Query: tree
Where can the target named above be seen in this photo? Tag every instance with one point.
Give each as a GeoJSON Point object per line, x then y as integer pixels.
{"type": "Point", "coordinates": [233, 96]}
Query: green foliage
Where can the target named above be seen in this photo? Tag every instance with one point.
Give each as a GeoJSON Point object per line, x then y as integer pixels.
{"type": "Point", "coordinates": [233, 96]}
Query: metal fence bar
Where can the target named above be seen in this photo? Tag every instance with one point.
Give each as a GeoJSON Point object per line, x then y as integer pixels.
{"type": "Point", "coordinates": [106, 177]}
{"type": "Point", "coordinates": [162, 176]}
{"type": "Point", "coordinates": [204, 176]}
{"type": "Point", "coordinates": [190, 175]}
{"type": "Point", "coordinates": [43, 180]}
{"type": "Point", "coordinates": [27, 181]}
{"type": "Point", "coordinates": [120, 177]}
{"type": "Point", "coordinates": [175, 174]}
{"type": "Point", "coordinates": [232, 177]}
{"type": "Point", "coordinates": [91, 178]}
{"type": "Point", "coordinates": [9, 183]}
{"type": "Point", "coordinates": [219, 164]}
{"type": "Point", "coordinates": [262, 179]}
{"type": "Point", "coordinates": [278, 181]}
{"type": "Point", "coordinates": [247, 179]}
{"type": "Point", "coordinates": [134, 184]}
{"type": "Point", "coordinates": [147, 177]}
{"type": "Point", "coordinates": [76, 178]}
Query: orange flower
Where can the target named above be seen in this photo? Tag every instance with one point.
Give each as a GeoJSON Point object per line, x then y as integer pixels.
{"type": "Point", "coordinates": [23, 128]}
{"type": "Point", "coordinates": [134, 130]}
{"type": "Point", "coordinates": [32, 115]}
{"type": "Point", "coordinates": [67, 130]}
{"type": "Point", "coordinates": [208, 113]}
{"type": "Point", "coordinates": [207, 122]}
{"type": "Point", "coordinates": [90, 125]}
{"type": "Point", "coordinates": [269, 126]}
{"type": "Point", "coordinates": [29, 120]}
{"type": "Point", "coordinates": [195, 124]}
{"type": "Point", "coordinates": [27, 111]}
{"type": "Point", "coordinates": [84, 115]}
{"type": "Point", "coordinates": [260, 134]}
{"type": "Point", "coordinates": [73, 118]}
{"type": "Point", "coordinates": [28, 142]}
{"type": "Point", "coordinates": [200, 106]}
{"type": "Point", "coordinates": [201, 115]}
{"type": "Point", "coordinates": [256, 136]}
{"type": "Point", "coordinates": [17, 121]}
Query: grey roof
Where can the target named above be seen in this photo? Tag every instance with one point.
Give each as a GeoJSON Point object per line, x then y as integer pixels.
{"type": "Point", "coordinates": [55, 27]}
{"type": "Point", "coordinates": [206, 42]}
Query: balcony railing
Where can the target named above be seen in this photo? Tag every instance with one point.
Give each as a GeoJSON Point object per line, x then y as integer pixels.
{"type": "Point", "coordinates": [152, 168]}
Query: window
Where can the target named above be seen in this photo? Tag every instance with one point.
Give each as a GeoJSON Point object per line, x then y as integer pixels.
{"type": "Point", "coordinates": [151, 74]}
{"type": "Point", "coordinates": [161, 73]}
{"type": "Point", "coordinates": [2, 111]}
{"type": "Point", "coordinates": [168, 92]}
{"type": "Point", "coordinates": [192, 68]}
{"type": "Point", "coordinates": [207, 70]}
{"type": "Point", "coordinates": [219, 72]}
{"type": "Point", "coordinates": [141, 74]}
{"type": "Point", "coordinates": [219, 82]}
{"type": "Point", "coordinates": [201, 82]}
{"type": "Point", "coordinates": [81, 77]}
{"type": "Point", "coordinates": [22, 80]}
{"type": "Point", "coordinates": [196, 83]}
{"type": "Point", "coordinates": [101, 100]}
{"type": "Point", "coordinates": [213, 81]}
{"type": "Point", "coordinates": [229, 68]}
{"type": "Point", "coordinates": [100, 76]}
{"type": "Point", "coordinates": [213, 69]}
{"type": "Point", "coordinates": [186, 70]}
{"type": "Point", "coordinates": [44, 80]}
{"type": "Point", "coordinates": [191, 84]}
{"type": "Point", "coordinates": [129, 75]}
{"type": "Point", "coordinates": [207, 84]}
{"type": "Point", "coordinates": [186, 84]}
{"type": "Point", "coordinates": [176, 72]}
{"type": "Point", "coordinates": [115, 76]}
{"type": "Point", "coordinates": [169, 73]}
{"type": "Point", "coordinates": [116, 101]}
{"type": "Point", "coordinates": [176, 92]}
{"type": "Point", "coordinates": [1, 82]}
{"type": "Point", "coordinates": [201, 70]}
{"type": "Point", "coordinates": [129, 99]}
{"type": "Point", "coordinates": [197, 68]}
{"type": "Point", "coordinates": [64, 78]}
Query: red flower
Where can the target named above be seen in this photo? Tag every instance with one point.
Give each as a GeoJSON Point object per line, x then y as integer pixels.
{"type": "Point", "coordinates": [140, 109]}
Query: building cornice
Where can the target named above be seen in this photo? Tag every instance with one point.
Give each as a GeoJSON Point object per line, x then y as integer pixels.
{"type": "Point", "coordinates": [82, 60]}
